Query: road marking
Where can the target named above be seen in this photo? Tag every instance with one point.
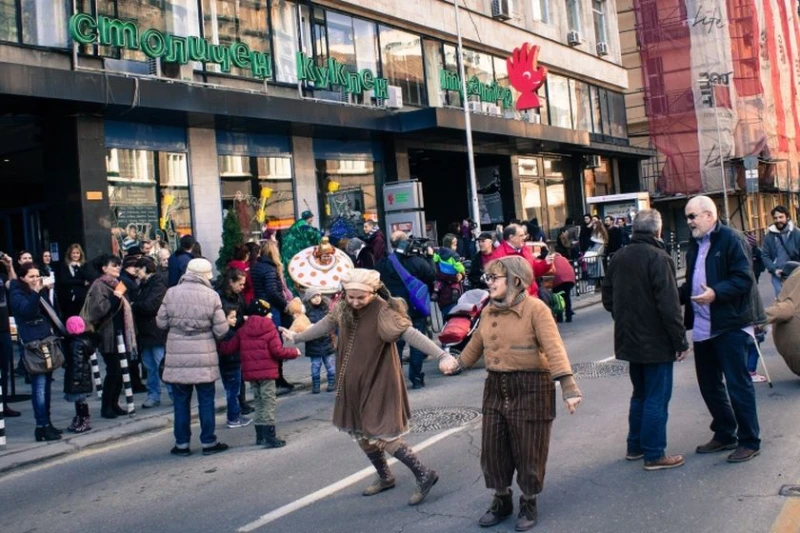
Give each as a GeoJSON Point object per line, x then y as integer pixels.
{"type": "Point", "coordinates": [336, 487]}
{"type": "Point", "coordinates": [607, 359]}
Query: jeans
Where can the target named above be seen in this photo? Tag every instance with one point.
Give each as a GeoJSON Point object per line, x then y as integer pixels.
{"type": "Point", "coordinates": [330, 366]}
{"type": "Point", "coordinates": [40, 397]}
{"type": "Point", "coordinates": [415, 364]}
{"type": "Point", "coordinates": [231, 380]}
{"type": "Point", "coordinates": [182, 394]}
{"type": "Point", "coordinates": [647, 418]}
{"type": "Point", "coordinates": [265, 401]}
{"type": "Point", "coordinates": [737, 418]}
{"type": "Point", "coordinates": [777, 284]}
{"type": "Point", "coordinates": [6, 361]}
{"type": "Point", "coordinates": [752, 355]}
{"type": "Point", "coordinates": [151, 359]}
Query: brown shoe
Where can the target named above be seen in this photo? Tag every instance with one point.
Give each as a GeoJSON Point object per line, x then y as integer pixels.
{"type": "Point", "coordinates": [502, 507]}
{"type": "Point", "coordinates": [378, 486]}
{"type": "Point", "coordinates": [742, 455]}
{"type": "Point", "coordinates": [423, 487]}
{"type": "Point", "coordinates": [528, 514]}
{"type": "Point", "coordinates": [714, 446]}
{"type": "Point", "coordinates": [668, 461]}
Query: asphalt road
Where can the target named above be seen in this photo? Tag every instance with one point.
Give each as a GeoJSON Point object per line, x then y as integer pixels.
{"type": "Point", "coordinates": [314, 483]}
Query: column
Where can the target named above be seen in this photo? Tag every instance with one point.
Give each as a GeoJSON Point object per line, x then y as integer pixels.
{"type": "Point", "coordinates": [305, 175]}
{"type": "Point", "coordinates": [205, 190]}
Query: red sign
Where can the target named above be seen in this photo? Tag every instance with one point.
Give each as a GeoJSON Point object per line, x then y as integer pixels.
{"type": "Point", "coordinates": [526, 75]}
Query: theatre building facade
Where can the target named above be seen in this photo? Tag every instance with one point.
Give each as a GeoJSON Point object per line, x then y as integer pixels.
{"type": "Point", "coordinates": [123, 120]}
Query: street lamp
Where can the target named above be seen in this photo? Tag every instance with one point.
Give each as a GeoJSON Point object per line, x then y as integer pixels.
{"type": "Point", "coordinates": [473, 182]}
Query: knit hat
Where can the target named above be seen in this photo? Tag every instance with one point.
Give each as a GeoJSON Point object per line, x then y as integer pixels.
{"type": "Point", "coordinates": [354, 245]}
{"type": "Point", "coordinates": [200, 266]}
{"type": "Point", "coordinates": [258, 307]}
{"type": "Point", "coordinates": [310, 293]}
{"type": "Point", "coordinates": [486, 235]}
{"type": "Point", "coordinates": [75, 325]}
{"type": "Point", "coordinates": [134, 251]}
{"type": "Point", "coordinates": [788, 268]}
{"type": "Point", "coordinates": [361, 279]}
{"type": "Point", "coordinates": [306, 215]}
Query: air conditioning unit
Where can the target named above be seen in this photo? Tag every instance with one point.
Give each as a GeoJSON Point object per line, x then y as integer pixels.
{"type": "Point", "coordinates": [475, 107]}
{"type": "Point", "coordinates": [574, 38]}
{"type": "Point", "coordinates": [593, 161]}
{"type": "Point", "coordinates": [369, 99]}
{"type": "Point", "coordinates": [395, 100]}
{"type": "Point", "coordinates": [602, 48]}
{"type": "Point", "coordinates": [154, 66]}
{"type": "Point", "coordinates": [501, 9]}
{"type": "Point", "coordinates": [532, 117]}
{"type": "Point", "coordinates": [495, 110]}
{"type": "Point", "coordinates": [176, 71]}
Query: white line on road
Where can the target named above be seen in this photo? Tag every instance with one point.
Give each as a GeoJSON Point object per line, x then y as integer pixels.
{"type": "Point", "coordinates": [607, 359]}
{"type": "Point", "coordinates": [335, 487]}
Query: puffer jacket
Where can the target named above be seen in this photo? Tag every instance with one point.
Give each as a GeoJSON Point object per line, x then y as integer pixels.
{"type": "Point", "coordinates": [324, 345]}
{"type": "Point", "coordinates": [260, 348]}
{"type": "Point", "coordinates": [267, 283]}
{"type": "Point", "coordinates": [192, 312]}
{"type": "Point", "coordinates": [145, 307]}
{"type": "Point", "coordinates": [77, 366]}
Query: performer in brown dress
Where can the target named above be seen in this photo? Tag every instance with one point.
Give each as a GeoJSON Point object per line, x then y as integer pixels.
{"type": "Point", "coordinates": [524, 354]}
{"type": "Point", "coordinates": [371, 399]}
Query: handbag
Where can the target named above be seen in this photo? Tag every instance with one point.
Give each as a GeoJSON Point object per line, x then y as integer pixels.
{"type": "Point", "coordinates": [418, 295]}
{"type": "Point", "coordinates": [43, 356]}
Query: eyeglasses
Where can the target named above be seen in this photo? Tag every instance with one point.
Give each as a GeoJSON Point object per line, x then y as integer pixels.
{"type": "Point", "coordinates": [491, 278]}
{"type": "Point", "coordinates": [692, 216]}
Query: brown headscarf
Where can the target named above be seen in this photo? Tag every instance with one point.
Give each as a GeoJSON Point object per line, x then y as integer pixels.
{"type": "Point", "coordinates": [519, 277]}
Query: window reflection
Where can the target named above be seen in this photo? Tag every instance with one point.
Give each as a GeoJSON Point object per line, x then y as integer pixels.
{"type": "Point", "coordinates": [44, 22]}
{"type": "Point", "coordinates": [347, 189]}
{"type": "Point", "coordinates": [287, 37]}
{"type": "Point", "coordinates": [8, 20]}
{"type": "Point", "coordinates": [558, 98]}
{"type": "Point", "coordinates": [229, 21]}
{"type": "Point", "coordinates": [401, 53]}
{"type": "Point", "coordinates": [581, 105]}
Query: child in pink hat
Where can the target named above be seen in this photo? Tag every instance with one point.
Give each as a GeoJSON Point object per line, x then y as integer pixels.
{"type": "Point", "coordinates": [78, 386]}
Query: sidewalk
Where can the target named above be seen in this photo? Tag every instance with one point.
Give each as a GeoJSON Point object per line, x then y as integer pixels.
{"type": "Point", "coordinates": [22, 449]}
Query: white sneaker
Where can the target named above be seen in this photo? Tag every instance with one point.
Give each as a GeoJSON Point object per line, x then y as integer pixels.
{"type": "Point", "coordinates": [243, 421]}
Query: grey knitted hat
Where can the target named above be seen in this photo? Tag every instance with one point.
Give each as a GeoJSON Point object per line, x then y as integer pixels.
{"type": "Point", "coordinates": [310, 293]}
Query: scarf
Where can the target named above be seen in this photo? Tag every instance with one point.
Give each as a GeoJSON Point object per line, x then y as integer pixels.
{"type": "Point", "coordinates": [510, 301]}
{"type": "Point", "coordinates": [129, 329]}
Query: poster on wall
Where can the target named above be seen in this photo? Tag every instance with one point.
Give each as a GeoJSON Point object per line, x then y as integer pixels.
{"type": "Point", "coordinates": [489, 200]}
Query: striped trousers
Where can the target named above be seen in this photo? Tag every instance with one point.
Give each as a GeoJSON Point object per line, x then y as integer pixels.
{"type": "Point", "coordinates": [518, 413]}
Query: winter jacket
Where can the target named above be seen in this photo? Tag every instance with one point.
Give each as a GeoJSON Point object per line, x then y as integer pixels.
{"type": "Point", "coordinates": [77, 365]}
{"type": "Point", "coordinates": [479, 262]}
{"type": "Point", "coordinates": [248, 292]}
{"type": "Point", "coordinates": [774, 255]}
{"type": "Point", "coordinates": [729, 274]}
{"type": "Point", "coordinates": [564, 272]}
{"type": "Point", "coordinates": [145, 307]}
{"type": "Point", "coordinates": [785, 315]}
{"type": "Point", "coordinates": [324, 345]}
{"type": "Point", "coordinates": [540, 267]}
{"type": "Point", "coordinates": [232, 361]}
{"type": "Point", "coordinates": [71, 289]}
{"type": "Point", "coordinates": [177, 266]}
{"type": "Point", "coordinates": [259, 345]}
{"type": "Point", "coordinates": [32, 322]}
{"type": "Point", "coordinates": [376, 243]}
{"type": "Point", "coordinates": [448, 262]}
{"type": "Point", "coordinates": [267, 283]}
{"type": "Point", "coordinates": [192, 312]}
{"type": "Point", "coordinates": [101, 310]}
{"type": "Point", "coordinates": [419, 267]}
{"type": "Point", "coordinates": [131, 286]}
{"type": "Point", "coordinates": [641, 293]}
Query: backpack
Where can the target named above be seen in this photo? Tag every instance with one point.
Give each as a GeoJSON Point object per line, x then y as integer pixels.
{"type": "Point", "coordinates": [418, 295]}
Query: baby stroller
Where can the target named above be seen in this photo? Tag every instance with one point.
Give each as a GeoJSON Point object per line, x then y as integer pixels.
{"type": "Point", "coordinates": [462, 320]}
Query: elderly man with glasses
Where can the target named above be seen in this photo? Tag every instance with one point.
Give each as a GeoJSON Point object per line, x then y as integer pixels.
{"type": "Point", "coordinates": [717, 299]}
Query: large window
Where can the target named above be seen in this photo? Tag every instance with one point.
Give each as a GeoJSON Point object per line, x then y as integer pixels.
{"type": "Point", "coordinates": [618, 126]}
{"type": "Point", "coordinates": [558, 98]}
{"type": "Point", "coordinates": [574, 15]}
{"type": "Point", "coordinates": [44, 22]}
{"type": "Point", "coordinates": [347, 189]}
{"type": "Point", "coordinates": [8, 20]}
{"type": "Point", "coordinates": [229, 21]}
{"type": "Point", "coordinates": [599, 13]}
{"type": "Point", "coordinates": [542, 193]}
{"type": "Point", "coordinates": [287, 36]}
{"type": "Point", "coordinates": [581, 105]}
{"type": "Point", "coordinates": [259, 189]}
{"type": "Point", "coordinates": [541, 11]}
{"type": "Point", "coordinates": [401, 55]}
{"type": "Point", "coordinates": [148, 193]}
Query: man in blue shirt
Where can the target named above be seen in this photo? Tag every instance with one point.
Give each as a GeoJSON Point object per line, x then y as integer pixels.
{"type": "Point", "coordinates": [716, 295]}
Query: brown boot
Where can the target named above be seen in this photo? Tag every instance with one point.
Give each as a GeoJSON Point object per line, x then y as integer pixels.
{"type": "Point", "coordinates": [426, 478]}
{"type": "Point", "coordinates": [502, 507]}
{"type": "Point", "coordinates": [385, 480]}
{"type": "Point", "coordinates": [668, 461]}
{"type": "Point", "coordinates": [528, 513]}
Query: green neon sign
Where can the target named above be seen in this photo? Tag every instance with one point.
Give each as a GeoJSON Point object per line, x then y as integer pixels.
{"type": "Point", "coordinates": [334, 73]}
{"type": "Point", "coordinates": [108, 31]}
{"type": "Point", "coordinates": [487, 92]}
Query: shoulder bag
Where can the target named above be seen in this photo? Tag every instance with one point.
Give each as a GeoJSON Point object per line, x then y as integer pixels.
{"type": "Point", "coordinates": [418, 295]}
{"type": "Point", "coordinates": [45, 355]}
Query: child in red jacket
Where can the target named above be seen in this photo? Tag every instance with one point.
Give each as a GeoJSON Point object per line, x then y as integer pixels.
{"type": "Point", "coordinates": [259, 345]}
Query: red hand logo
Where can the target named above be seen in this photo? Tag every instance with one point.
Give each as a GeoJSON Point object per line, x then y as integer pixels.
{"type": "Point", "coordinates": [390, 198]}
{"type": "Point", "coordinates": [526, 75]}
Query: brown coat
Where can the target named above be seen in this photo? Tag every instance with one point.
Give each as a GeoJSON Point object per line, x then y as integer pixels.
{"type": "Point", "coordinates": [371, 398]}
{"type": "Point", "coordinates": [785, 315]}
{"type": "Point", "coordinates": [99, 309]}
{"type": "Point", "coordinates": [523, 337]}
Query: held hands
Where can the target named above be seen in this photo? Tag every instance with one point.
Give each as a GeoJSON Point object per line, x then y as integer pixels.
{"type": "Point", "coordinates": [572, 404]}
{"type": "Point", "coordinates": [680, 356]}
{"type": "Point", "coordinates": [288, 335]}
{"type": "Point", "coordinates": [706, 297]}
{"type": "Point", "coordinates": [448, 365]}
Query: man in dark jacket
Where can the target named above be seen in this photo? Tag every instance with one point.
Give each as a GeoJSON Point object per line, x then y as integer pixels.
{"type": "Point", "coordinates": [781, 245]}
{"type": "Point", "coordinates": [375, 240]}
{"type": "Point", "coordinates": [480, 259]}
{"type": "Point", "coordinates": [150, 339]}
{"type": "Point", "coordinates": [180, 259]}
{"type": "Point", "coordinates": [717, 299]}
{"type": "Point", "coordinates": [422, 269]}
{"type": "Point", "coordinates": [641, 292]}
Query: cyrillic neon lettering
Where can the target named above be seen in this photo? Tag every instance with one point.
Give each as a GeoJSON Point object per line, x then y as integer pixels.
{"type": "Point", "coordinates": [83, 28]}
{"type": "Point", "coordinates": [198, 49]}
{"type": "Point", "coordinates": [176, 50]}
{"type": "Point", "coordinates": [381, 88]}
{"type": "Point", "coordinates": [260, 64]}
{"type": "Point", "coordinates": [221, 55]}
{"type": "Point", "coordinates": [154, 44]}
{"type": "Point", "coordinates": [367, 79]}
{"type": "Point", "coordinates": [119, 33]}
{"type": "Point", "coordinates": [240, 55]}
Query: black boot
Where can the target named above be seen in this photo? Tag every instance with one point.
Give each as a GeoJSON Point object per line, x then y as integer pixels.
{"type": "Point", "coordinates": [315, 382]}
{"type": "Point", "coordinates": [244, 407]}
{"type": "Point", "coordinates": [105, 403]}
{"type": "Point", "coordinates": [527, 514]}
{"type": "Point", "coordinates": [385, 479]}
{"type": "Point", "coordinates": [426, 477]}
{"type": "Point", "coordinates": [118, 386]}
{"type": "Point", "coordinates": [502, 507]}
{"type": "Point", "coordinates": [270, 440]}
{"type": "Point", "coordinates": [45, 433]}
{"type": "Point", "coordinates": [260, 435]}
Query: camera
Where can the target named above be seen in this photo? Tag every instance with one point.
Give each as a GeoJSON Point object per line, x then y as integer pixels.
{"type": "Point", "coordinates": [413, 246]}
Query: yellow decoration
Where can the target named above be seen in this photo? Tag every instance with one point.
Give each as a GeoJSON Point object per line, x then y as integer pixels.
{"type": "Point", "coordinates": [162, 223]}
{"type": "Point", "coordinates": [167, 200]}
{"type": "Point", "coordinates": [261, 216]}
{"type": "Point", "coordinates": [333, 186]}
{"type": "Point", "coordinates": [266, 192]}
